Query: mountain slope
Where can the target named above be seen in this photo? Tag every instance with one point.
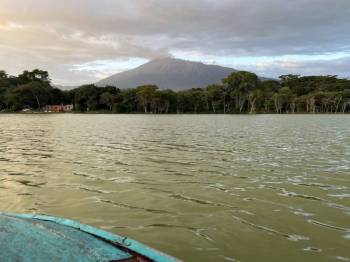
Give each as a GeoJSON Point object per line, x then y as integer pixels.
{"type": "Point", "coordinates": [169, 73]}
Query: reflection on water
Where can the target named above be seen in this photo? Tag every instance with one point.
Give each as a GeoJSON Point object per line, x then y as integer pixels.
{"type": "Point", "coordinates": [203, 188]}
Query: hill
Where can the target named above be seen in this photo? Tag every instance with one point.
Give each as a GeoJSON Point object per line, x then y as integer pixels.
{"type": "Point", "coordinates": [169, 73]}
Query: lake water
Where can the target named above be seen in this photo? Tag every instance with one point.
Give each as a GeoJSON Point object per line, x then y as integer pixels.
{"type": "Point", "coordinates": [199, 187]}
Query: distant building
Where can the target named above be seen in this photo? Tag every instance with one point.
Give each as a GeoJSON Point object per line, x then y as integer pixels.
{"type": "Point", "coordinates": [58, 108]}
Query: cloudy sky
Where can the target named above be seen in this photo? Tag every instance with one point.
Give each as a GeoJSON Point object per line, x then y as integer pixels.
{"type": "Point", "coordinates": [81, 41]}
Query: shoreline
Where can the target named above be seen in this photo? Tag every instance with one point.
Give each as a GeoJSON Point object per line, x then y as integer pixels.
{"type": "Point", "coordinates": [150, 114]}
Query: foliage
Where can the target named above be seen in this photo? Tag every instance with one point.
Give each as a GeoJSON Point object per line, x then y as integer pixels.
{"type": "Point", "coordinates": [31, 89]}
{"type": "Point", "coordinates": [240, 92]}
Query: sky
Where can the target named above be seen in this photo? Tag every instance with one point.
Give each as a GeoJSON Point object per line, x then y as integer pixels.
{"type": "Point", "coordinates": [82, 41]}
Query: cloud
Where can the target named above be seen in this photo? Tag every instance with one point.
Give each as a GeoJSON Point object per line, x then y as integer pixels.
{"type": "Point", "coordinates": [275, 68]}
{"type": "Point", "coordinates": [58, 35]}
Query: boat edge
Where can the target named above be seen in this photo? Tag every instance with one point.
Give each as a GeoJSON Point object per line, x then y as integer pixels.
{"type": "Point", "coordinates": [125, 242]}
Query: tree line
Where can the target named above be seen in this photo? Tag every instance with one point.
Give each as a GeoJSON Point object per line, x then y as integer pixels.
{"type": "Point", "coordinates": [240, 92]}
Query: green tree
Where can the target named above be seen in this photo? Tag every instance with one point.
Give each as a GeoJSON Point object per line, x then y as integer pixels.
{"type": "Point", "coordinates": [128, 103]}
{"type": "Point", "coordinates": [108, 99]}
{"type": "Point", "coordinates": [33, 94]}
{"type": "Point", "coordinates": [215, 94]}
{"type": "Point", "coordinates": [145, 95]}
{"type": "Point", "coordinates": [240, 85]}
{"type": "Point", "coordinates": [3, 75]}
{"type": "Point", "coordinates": [35, 75]}
{"type": "Point", "coordinates": [284, 100]}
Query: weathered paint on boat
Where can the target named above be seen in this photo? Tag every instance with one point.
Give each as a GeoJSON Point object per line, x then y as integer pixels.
{"type": "Point", "coordinates": [26, 237]}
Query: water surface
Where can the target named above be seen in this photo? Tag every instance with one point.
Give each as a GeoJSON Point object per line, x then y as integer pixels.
{"type": "Point", "coordinates": [202, 188]}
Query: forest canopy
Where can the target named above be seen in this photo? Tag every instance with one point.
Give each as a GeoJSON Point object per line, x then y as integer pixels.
{"type": "Point", "coordinates": [240, 92]}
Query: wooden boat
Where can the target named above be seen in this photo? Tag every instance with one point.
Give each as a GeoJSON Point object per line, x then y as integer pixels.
{"type": "Point", "coordinates": [25, 237]}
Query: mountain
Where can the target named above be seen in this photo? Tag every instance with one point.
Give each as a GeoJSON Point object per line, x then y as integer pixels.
{"type": "Point", "coordinates": [62, 87]}
{"type": "Point", "coordinates": [169, 73]}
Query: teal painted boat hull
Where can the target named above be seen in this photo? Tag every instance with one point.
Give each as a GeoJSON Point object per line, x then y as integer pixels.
{"type": "Point", "coordinates": [25, 237]}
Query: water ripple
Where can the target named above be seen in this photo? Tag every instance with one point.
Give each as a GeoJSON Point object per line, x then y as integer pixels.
{"type": "Point", "coordinates": [179, 179]}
